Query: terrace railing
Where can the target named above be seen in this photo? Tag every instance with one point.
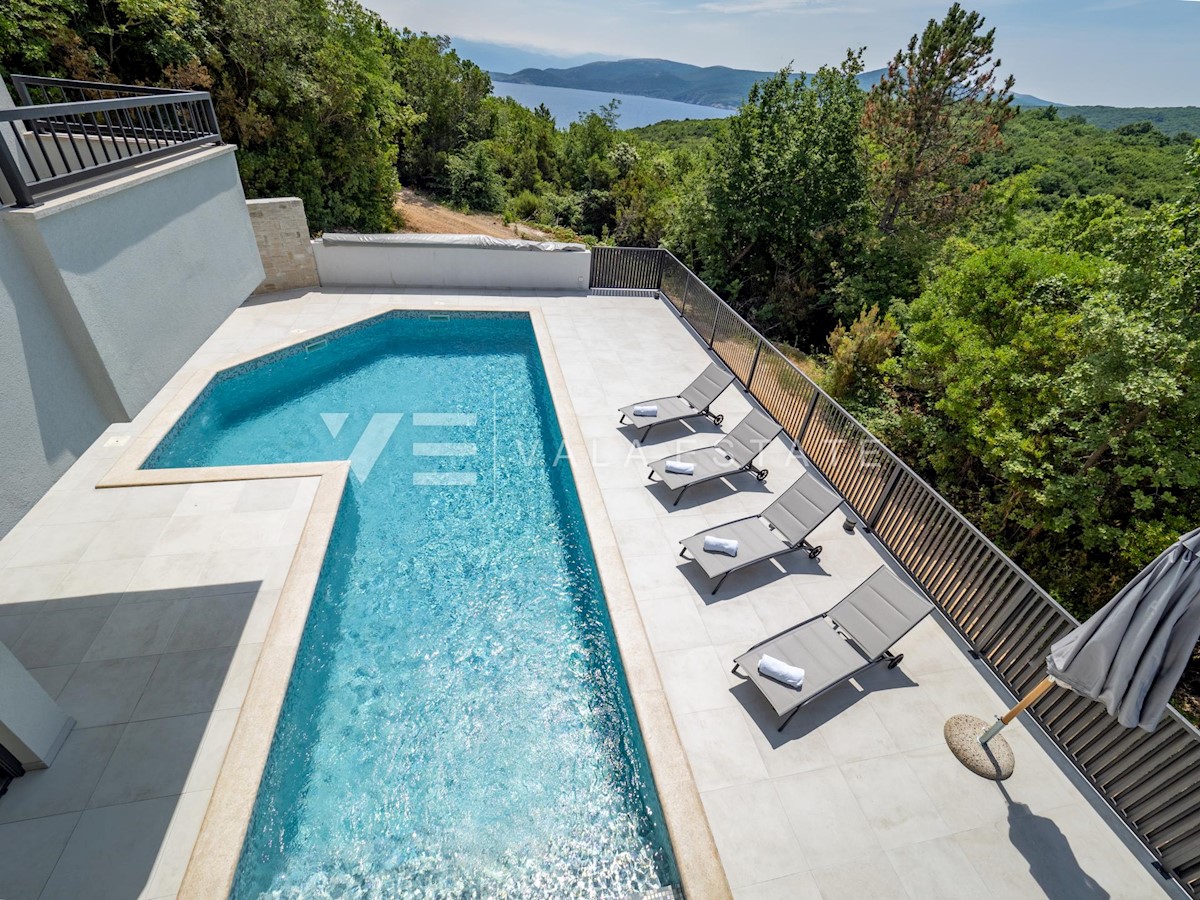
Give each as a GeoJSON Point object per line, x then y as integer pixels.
{"type": "Point", "coordinates": [67, 131]}
{"type": "Point", "coordinates": [1152, 781]}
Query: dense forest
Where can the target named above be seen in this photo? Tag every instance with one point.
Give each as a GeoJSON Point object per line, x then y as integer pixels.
{"type": "Point", "coordinates": [1011, 300]}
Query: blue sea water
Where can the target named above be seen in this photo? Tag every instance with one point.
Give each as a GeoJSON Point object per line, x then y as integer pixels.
{"type": "Point", "coordinates": [568, 104]}
{"type": "Point", "coordinates": [457, 723]}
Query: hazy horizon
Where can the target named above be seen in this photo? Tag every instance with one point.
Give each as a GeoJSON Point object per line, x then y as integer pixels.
{"type": "Point", "coordinates": [1104, 52]}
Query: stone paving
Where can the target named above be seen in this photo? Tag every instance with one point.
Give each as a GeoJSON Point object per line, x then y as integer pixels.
{"type": "Point", "coordinates": [142, 611]}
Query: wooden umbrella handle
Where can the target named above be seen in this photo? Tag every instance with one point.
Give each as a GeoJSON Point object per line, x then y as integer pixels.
{"type": "Point", "coordinates": [1032, 697]}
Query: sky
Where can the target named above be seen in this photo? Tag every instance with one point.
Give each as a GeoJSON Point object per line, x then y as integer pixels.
{"type": "Point", "coordinates": [1078, 52]}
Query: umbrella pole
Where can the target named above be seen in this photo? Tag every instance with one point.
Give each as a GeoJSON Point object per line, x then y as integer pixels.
{"type": "Point", "coordinates": [1032, 697]}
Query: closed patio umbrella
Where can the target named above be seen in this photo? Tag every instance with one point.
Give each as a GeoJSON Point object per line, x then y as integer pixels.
{"type": "Point", "coordinates": [1128, 656]}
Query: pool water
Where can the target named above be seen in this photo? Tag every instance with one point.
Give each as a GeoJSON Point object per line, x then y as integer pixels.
{"type": "Point", "coordinates": [457, 722]}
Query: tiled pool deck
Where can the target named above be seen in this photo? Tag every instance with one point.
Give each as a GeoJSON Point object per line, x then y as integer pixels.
{"type": "Point", "coordinates": [143, 610]}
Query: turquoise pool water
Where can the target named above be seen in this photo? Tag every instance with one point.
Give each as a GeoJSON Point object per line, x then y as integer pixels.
{"type": "Point", "coordinates": [457, 723]}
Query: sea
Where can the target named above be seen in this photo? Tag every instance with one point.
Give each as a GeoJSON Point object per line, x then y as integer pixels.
{"type": "Point", "coordinates": [568, 104]}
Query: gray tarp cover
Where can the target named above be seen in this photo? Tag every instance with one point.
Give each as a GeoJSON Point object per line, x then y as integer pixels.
{"type": "Point", "coordinates": [1131, 654]}
{"type": "Point", "coordinates": [449, 240]}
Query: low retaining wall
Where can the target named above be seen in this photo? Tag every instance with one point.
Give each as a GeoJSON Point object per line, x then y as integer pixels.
{"type": "Point", "coordinates": [451, 261]}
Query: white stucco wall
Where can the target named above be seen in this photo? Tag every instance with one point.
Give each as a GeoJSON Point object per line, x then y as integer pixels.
{"type": "Point", "coordinates": [478, 268]}
{"type": "Point", "coordinates": [104, 294]}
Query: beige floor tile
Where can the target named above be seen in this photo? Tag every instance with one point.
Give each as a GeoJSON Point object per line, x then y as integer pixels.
{"type": "Point", "coordinates": [60, 637]}
{"type": "Point", "coordinates": [21, 588]}
{"type": "Point", "coordinates": [176, 849]}
{"type": "Point", "coordinates": [106, 692]}
{"type": "Point", "coordinates": [826, 818]}
{"type": "Point", "coordinates": [896, 806]}
{"type": "Point", "coordinates": [752, 833]}
{"type": "Point", "coordinates": [90, 583]}
{"type": "Point", "coordinates": [184, 573]}
{"type": "Point", "coordinates": [937, 870]}
{"type": "Point", "coordinates": [153, 759]}
{"type": "Point", "coordinates": [871, 877]}
{"type": "Point", "coordinates": [268, 494]}
{"type": "Point", "coordinates": [137, 629]}
{"type": "Point", "coordinates": [193, 681]}
{"type": "Point", "coordinates": [150, 502]}
{"type": "Point", "coordinates": [720, 748]}
{"type": "Point", "coordinates": [910, 719]}
{"type": "Point", "coordinates": [849, 725]}
{"type": "Point", "coordinates": [53, 678]}
{"type": "Point", "coordinates": [208, 622]}
{"type": "Point", "coordinates": [31, 850]}
{"type": "Point", "coordinates": [67, 785]}
{"type": "Point", "coordinates": [790, 887]}
{"type": "Point", "coordinates": [673, 623]}
{"type": "Point", "coordinates": [126, 539]}
{"type": "Point", "coordinates": [112, 851]}
{"type": "Point", "coordinates": [694, 680]}
{"type": "Point", "coordinates": [48, 544]}
{"type": "Point", "coordinates": [12, 627]}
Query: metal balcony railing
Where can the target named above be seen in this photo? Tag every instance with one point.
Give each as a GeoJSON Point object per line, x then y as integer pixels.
{"type": "Point", "coordinates": [68, 131]}
{"type": "Point", "coordinates": [1152, 781]}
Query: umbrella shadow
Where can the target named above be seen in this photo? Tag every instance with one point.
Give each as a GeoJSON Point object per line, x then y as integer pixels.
{"type": "Point", "coordinates": [1048, 853]}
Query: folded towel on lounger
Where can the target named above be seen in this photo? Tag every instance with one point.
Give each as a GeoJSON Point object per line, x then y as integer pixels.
{"type": "Point", "coordinates": [646, 409]}
{"type": "Point", "coordinates": [681, 468]}
{"type": "Point", "coordinates": [792, 676]}
{"type": "Point", "coordinates": [728, 546]}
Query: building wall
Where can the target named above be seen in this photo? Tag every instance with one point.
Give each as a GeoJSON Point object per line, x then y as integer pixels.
{"type": "Point", "coordinates": [281, 230]}
{"type": "Point", "coordinates": [104, 294]}
{"type": "Point", "coordinates": [470, 268]}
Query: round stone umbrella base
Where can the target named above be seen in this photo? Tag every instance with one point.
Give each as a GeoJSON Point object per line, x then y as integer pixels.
{"type": "Point", "coordinates": [994, 761]}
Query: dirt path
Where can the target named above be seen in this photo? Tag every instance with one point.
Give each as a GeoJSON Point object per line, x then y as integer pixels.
{"type": "Point", "coordinates": [424, 216]}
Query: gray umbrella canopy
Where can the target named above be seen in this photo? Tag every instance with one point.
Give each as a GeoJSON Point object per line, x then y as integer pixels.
{"type": "Point", "coordinates": [1131, 654]}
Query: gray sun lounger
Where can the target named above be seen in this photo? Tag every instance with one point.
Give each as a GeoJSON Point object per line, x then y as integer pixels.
{"type": "Point", "coordinates": [734, 453]}
{"type": "Point", "coordinates": [835, 646]}
{"type": "Point", "coordinates": [694, 400]}
{"type": "Point", "coordinates": [783, 527]}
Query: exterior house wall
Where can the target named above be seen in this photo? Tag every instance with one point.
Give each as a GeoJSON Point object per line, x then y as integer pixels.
{"type": "Point", "coordinates": [281, 230]}
{"type": "Point", "coordinates": [104, 294]}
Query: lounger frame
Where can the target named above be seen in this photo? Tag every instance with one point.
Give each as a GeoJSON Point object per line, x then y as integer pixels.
{"type": "Point", "coordinates": [892, 658]}
{"type": "Point", "coordinates": [813, 553]}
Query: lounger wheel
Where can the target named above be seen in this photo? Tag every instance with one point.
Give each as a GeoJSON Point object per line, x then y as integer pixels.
{"type": "Point", "coordinates": [815, 552]}
{"type": "Point", "coordinates": [895, 661]}
{"type": "Point", "coordinates": [717, 420]}
{"type": "Point", "coordinates": [762, 475]}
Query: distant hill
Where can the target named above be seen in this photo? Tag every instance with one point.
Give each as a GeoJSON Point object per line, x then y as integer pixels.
{"type": "Point", "coordinates": [717, 86]}
{"type": "Point", "coordinates": [1170, 120]}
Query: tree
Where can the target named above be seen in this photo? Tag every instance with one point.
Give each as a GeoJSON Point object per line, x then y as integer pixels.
{"type": "Point", "coordinates": [781, 199]}
{"type": "Point", "coordinates": [936, 107]}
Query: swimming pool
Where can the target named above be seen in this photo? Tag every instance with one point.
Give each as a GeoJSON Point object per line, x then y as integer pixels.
{"type": "Point", "coordinates": [457, 722]}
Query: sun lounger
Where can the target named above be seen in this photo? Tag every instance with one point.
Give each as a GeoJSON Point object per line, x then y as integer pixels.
{"type": "Point", "coordinates": [783, 527]}
{"type": "Point", "coordinates": [835, 646]}
{"type": "Point", "coordinates": [734, 453]}
{"type": "Point", "coordinates": [694, 400]}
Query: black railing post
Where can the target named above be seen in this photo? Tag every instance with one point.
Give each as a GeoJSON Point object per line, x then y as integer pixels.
{"type": "Point", "coordinates": [13, 177]}
{"type": "Point", "coordinates": [754, 365]}
{"type": "Point", "coordinates": [687, 289]}
{"type": "Point", "coordinates": [870, 520]}
{"type": "Point", "coordinates": [716, 322]}
{"type": "Point", "coordinates": [812, 408]}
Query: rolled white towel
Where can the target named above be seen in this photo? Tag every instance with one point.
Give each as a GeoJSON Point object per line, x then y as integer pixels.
{"type": "Point", "coordinates": [681, 468]}
{"type": "Point", "coordinates": [646, 409]}
{"type": "Point", "coordinates": [728, 546]}
{"type": "Point", "coordinates": [792, 676]}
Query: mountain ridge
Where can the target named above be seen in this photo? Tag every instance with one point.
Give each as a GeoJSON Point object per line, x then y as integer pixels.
{"type": "Point", "coordinates": [717, 86]}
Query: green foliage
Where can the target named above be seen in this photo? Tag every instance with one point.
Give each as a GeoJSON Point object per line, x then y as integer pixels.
{"type": "Point", "coordinates": [1053, 385]}
{"type": "Point", "coordinates": [858, 354]}
{"type": "Point", "coordinates": [1069, 158]}
{"type": "Point", "coordinates": [780, 198]}
{"type": "Point", "coordinates": [937, 105]}
{"type": "Point", "coordinates": [1170, 120]}
{"type": "Point", "coordinates": [472, 180]}
{"type": "Point", "coordinates": [447, 96]}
